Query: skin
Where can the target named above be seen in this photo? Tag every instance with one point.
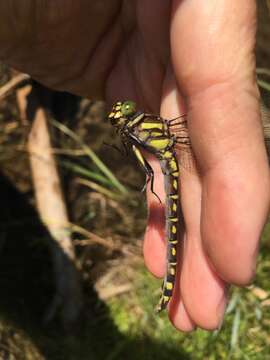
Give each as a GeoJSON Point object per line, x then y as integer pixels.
{"type": "Point", "coordinates": [163, 54]}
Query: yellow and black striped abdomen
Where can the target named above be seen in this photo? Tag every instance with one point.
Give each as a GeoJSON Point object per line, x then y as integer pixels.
{"type": "Point", "coordinates": [170, 170]}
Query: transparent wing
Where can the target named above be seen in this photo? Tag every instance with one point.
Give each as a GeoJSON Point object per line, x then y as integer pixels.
{"type": "Point", "coordinates": [178, 128]}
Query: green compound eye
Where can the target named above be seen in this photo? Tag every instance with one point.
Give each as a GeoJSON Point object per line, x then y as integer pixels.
{"type": "Point", "coordinates": [128, 108]}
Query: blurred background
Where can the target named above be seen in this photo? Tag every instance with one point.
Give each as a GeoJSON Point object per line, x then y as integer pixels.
{"type": "Point", "coordinates": [95, 299]}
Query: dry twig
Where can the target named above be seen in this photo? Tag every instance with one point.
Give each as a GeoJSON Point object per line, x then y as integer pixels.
{"type": "Point", "coordinates": [91, 238]}
{"type": "Point", "coordinates": [53, 213]}
{"type": "Point", "coordinates": [21, 95]}
{"type": "Point", "coordinates": [113, 291]}
{"type": "Point", "coordinates": [11, 84]}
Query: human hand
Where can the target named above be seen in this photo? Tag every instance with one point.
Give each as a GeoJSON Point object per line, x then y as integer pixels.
{"type": "Point", "coordinates": [225, 203]}
{"type": "Point", "coordinates": [121, 49]}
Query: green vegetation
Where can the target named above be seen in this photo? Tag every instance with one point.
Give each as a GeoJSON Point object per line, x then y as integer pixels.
{"type": "Point", "coordinates": [127, 327]}
{"type": "Point", "coordinates": [244, 334]}
{"type": "Point", "coordinates": [262, 83]}
{"type": "Point", "coordinates": [102, 173]}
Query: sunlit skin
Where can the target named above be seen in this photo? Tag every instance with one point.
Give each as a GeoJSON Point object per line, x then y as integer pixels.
{"type": "Point", "coordinates": [162, 54]}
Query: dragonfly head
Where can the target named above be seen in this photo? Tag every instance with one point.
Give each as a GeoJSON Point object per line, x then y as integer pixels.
{"type": "Point", "coordinates": [122, 112]}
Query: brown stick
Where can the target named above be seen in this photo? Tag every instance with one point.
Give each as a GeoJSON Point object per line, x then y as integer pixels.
{"type": "Point", "coordinates": [21, 95]}
{"type": "Point", "coordinates": [47, 186]}
{"type": "Point", "coordinates": [113, 291]}
{"type": "Point", "coordinates": [91, 238]}
{"type": "Point", "coordinates": [53, 213]}
{"type": "Point", "coordinates": [11, 84]}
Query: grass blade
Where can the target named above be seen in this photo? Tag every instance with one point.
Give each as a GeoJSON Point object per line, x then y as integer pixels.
{"type": "Point", "coordinates": [232, 303]}
{"type": "Point", "coordinates": [91, 154]}
{"type": "Point", "coordinates": [235, 329]}
{"type": "Point", "coordinates": [80, 170]}
{"type": "Point", "coordinates": [100, 189]}
{"type": "Point", "coordinates": [263, 71]}
{"type": "Point", "coordinates": [263, 84]}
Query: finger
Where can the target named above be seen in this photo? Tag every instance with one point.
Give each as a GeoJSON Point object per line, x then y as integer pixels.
{"type": "Point", "coordinates": [154, 247]}
{"type": "Point", "coordinates": [155, 238]}
{"type": "Point", "coordinates": [225, 128]}
{"type": "Point", "coordinates": [177, 311]}
{"type": "Point", "coordinates": [180, 318]}
{"type": "Point", "coordinates": [202, 292]}
{"type": "Point", "coordinates": [178, 314]}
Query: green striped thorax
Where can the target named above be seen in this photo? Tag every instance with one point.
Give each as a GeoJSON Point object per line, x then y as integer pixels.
{"type": "Point", "coordinates": [122, 112]}
{"type": "Point", "coordinates": [148, 131]}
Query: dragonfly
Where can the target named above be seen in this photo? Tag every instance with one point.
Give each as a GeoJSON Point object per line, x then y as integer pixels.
{"type": "Point", "coordinates": [156, 135]}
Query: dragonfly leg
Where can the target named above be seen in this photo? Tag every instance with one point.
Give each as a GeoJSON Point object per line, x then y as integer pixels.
{"type": "Point", "coordinates": [147, 169]}
{"type": "Point", "coordinates": [146, 183]}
